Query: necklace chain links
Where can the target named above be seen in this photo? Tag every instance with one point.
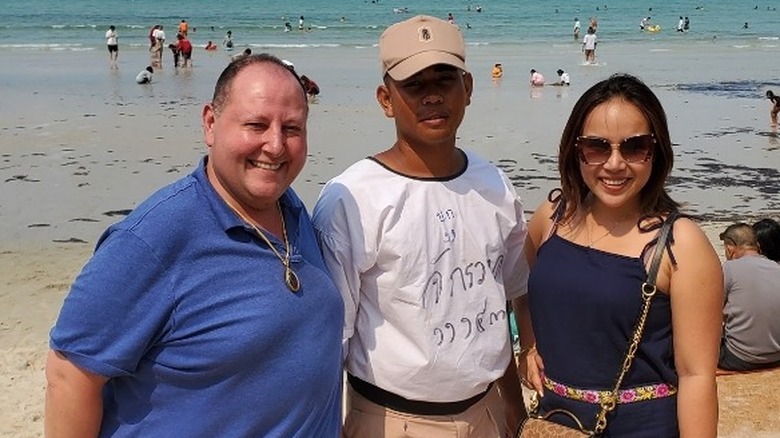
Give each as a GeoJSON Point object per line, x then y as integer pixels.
{"type": "Point", "coordinates": [609, 230]}
{"type": "Point", "coordinates": [290, 277]}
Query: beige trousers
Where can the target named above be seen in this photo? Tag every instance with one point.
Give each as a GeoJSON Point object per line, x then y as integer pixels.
{"type": "Point", "coordinates": [366, 419]}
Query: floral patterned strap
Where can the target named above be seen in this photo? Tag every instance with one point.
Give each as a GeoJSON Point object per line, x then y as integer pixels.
{"type": "Point", "coordinates": [629, 395]}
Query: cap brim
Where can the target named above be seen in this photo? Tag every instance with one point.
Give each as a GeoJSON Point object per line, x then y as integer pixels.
{"type": "Point", "coordinates": [416, 63]}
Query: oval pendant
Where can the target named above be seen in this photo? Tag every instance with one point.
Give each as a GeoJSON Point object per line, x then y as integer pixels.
{"type": "Point", "coordinates": [291, 278]}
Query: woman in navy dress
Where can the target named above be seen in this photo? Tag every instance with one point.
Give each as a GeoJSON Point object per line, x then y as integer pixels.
{"type": "Point", "coordinates": [589, 247]}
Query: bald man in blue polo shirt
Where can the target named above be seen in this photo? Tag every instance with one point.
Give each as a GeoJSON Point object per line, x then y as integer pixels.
{"type": "Point", "coordinates": [200, 313]}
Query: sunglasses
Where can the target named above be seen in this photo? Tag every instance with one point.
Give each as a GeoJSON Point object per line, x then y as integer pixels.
{"type": "Point", "coordinates": [597, 150]}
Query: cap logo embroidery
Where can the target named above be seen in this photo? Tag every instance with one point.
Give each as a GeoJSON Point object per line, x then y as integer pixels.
{"type": "Point", "coordinates": [425, 34]}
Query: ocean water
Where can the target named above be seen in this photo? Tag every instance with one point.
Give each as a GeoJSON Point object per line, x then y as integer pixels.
{"type": "Point", "coordinates": [60, 98]}
{"type": "Point", "coordinates": [79, 25]}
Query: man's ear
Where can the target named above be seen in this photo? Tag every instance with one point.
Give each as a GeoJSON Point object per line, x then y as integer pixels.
{"type": "Point", "coordinates": [468, 82]}
{"type": "Point", "coordinates": [208, 118]}
{"type": "Point", "coordinates": [383, 97]}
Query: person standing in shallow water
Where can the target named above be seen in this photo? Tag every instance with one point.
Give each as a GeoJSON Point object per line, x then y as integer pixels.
{"type": "Point", "coordinates": [775, 106]}
{"type": "Point", "coordinates": [589, 42]}
{"type": "Point", "coordinates": [589, 247]}
{"type": "Point", "coordinates": [112, 42]}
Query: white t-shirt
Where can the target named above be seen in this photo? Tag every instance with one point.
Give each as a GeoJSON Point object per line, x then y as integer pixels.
{"type": "Point", "coordinates": [589, 41]}
{"type": "Point", "coordinates": [425, 267]}
{"type": "Point", "coordinates": [565, 78]}
{"type": "Point", "coordinates": [537, 79]}
{"type": "Point", "coordinates": [111, 37]}
{"type": "Point", "coordinates": [144, 77]}
{"type": "Point", "coordinates": [159, 34]}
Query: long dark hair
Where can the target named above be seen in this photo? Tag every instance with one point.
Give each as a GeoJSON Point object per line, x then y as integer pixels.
{"type": "Point", "coordinates": [654, 198]}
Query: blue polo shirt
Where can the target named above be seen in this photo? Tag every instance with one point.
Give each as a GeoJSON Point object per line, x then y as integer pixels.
{"type": "Point", "coordinates": [185, 310]}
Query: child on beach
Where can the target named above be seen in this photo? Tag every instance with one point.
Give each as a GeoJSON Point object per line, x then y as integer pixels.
{"type": "Point", "coordinates": [589, 46]}
{"type": "Point", "coordinates": [498, 71]}
{"type": "Point", "coordinates": [775, 106]}
{"type": "Point", "coordinates": [145, 75]}
{"type": "Point", "coordinates": [537, 80]}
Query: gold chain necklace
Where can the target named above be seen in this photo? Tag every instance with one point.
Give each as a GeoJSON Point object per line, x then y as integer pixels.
{"type": "Point", "coordinates": [290, 277]}
{"type": "Point", "coordinates": [609, 230]}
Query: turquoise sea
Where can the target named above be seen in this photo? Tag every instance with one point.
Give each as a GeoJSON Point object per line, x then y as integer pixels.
{"type": "Point", "coordinates": [79, 25]}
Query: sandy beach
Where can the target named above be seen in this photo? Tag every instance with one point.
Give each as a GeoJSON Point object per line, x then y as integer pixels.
{"type": "Point", "coordinates": [81, 145]}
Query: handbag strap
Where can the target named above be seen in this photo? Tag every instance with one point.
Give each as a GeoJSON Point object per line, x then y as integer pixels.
{"type": "Point", "coordinates": [648, 292]}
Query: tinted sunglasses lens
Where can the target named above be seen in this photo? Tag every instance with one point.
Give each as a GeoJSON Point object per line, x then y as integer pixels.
{"type": "Point", "coordinates": [637, 149]}
{"type": "Point", "coordinates": [594, 150]}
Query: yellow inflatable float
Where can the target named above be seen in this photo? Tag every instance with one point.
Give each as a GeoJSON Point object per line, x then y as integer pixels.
{"type": "Point", "coordinates": [653, 28]}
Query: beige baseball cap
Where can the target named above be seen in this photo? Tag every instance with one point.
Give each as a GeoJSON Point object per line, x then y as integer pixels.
{"type": "Point", "coordinates": [412, 45]}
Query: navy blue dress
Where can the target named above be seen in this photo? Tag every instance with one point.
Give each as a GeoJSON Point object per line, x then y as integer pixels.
{"type": "Point", "coordinates": [584, 304]}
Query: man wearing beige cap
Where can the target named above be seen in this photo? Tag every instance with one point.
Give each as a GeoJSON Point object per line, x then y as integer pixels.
{"type": "Point", "coordinates": [425, 241]}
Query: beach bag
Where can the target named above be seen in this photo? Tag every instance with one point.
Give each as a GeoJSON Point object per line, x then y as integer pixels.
{"type": "Point", "coordinates": [540, 426]}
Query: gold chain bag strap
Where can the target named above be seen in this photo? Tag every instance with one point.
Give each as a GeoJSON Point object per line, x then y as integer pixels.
{"type": "Point", "coordinates": [540, 426]}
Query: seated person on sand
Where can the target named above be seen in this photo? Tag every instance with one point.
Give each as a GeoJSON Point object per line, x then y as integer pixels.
{"type": "Point", "coordinates": [498, 71]}
{"type": "Point", "coordinates": [311, 87]}
{"type": "Point", "coordinates": [537, 80]}
{"type": "Point", "coordinates": [145, 76]}
{"type": "Point", "coordinates": [563, 78]}
{"type": "Point", "coordinates": [751, 326]}
{"type": "Point", "coordinates": [768, 238]}
{"type": "Point", "coordinates": [210, 46]}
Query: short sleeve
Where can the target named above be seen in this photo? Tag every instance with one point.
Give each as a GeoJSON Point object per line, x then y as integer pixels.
{"type": "Point", "coordinates": [118, 307]}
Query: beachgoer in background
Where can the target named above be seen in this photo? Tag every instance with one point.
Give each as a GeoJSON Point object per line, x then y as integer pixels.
{"type": "Point", "coordinates": [594, 24]}
{"type": "Point", "coordinates": [185, 49]}
{"type": "Point", "coordinates": [498, 71]}
{"type": "Point", "coordinates": [157, 50]}
{"type": "Point", "coordinates": [644, 24]}
{"type": "Point", "coordinates": [745, 26]}
{"type": "Point", "coordinates": [563, 78]}
{"type": "Point", "coordinates": [686, 24]}
{"type": "Point", "coordinates": [300, 22]}
{"type": "Point", "coordinates": [165, 334]}
{"type": "Point", "coordinates": [310, 87]}
{"type": "Point", "coordinates": [751, 327]}
{"type": "Point", "coordinates": [246, 52]}
{"type": "Point", "coordinates": [450, 18]}
{"type": "Point", "coordinates": [145, 75]}
{"type": "Point", "coordinates": [775, 106]}
{"type": "Point", "coordinates": [152, 39]}
{"type": "Point", "coordinates": [112, 41]}
{"type": "Point", "coordinates": [176, 52]}
{"type": "Point", "coordinates": [576, 29]}
{"type": "Point", "coordinates": [590, 245]}
{"type": "Point", "coordinates": [768, 238]}
{"type": "Point", "coordinates": [210, 46]}
{"type": "Point", "coordinates": [396, 227]}
{"type": "Point", "coordinates": [589, 46]}
{"type": "Point", "coordinates": [681, 25]}
{"type": "Point", "coordinates": [287, 26]}
{"type": "Point", "coordinates": [227, 42]}
{"type": "Point", "coordinates": [537, 80]}
{"type": "Point", "coordinates": [183, 27]}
